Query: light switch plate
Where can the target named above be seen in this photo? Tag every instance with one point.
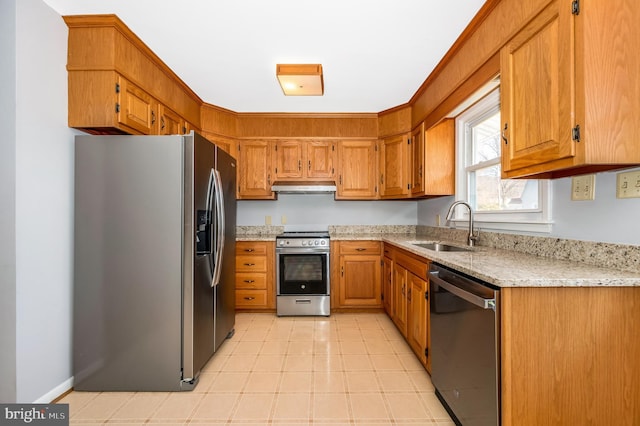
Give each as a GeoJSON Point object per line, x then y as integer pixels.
{"type": "Point", "coordinates": [628, 184]}
{"type": "Point", "coordinates": [583, 187]}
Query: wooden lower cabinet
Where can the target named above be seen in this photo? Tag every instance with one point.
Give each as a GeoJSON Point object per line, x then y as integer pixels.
{"type": "Point", "coordinates": [406, 298]}
{"type": "Point", "coordinates": [358, 275]}
{"type": "Point", "coordinates": [255, 280]}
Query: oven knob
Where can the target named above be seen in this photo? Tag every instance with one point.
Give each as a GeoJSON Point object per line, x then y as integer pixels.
{"type": "Point", "coordinates": [323, 242]}
{"type": "Point", "coordinates": [310, 242]}
{"type": "Point", "coordinates": [316, 243]}
{"type": "Point", "coordinates": [304, 243]}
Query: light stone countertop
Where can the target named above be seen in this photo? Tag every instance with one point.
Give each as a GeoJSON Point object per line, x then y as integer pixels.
{"type": "Point", "coordinates": [256, 237]}
{"type": "Point", "coordinates": [505, 268]}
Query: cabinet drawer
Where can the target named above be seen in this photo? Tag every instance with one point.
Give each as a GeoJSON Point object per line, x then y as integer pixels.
{"type": "Point", "coordinates": [251, 298]}
{"type": "Point", "coordinates": [416, 266]}
{"type": "Point", "coordinates": [251, 264]}
{"type": "Point", "coordinates": [360, 247]}
{"type": "Point", "coordinates": [253, 248]}
{"type": "Point", "coordinates": [251, 281]}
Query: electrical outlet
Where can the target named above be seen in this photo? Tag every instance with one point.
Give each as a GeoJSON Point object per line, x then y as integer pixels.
{"type": "Point", "coordinates": [283, 220]}
{"type": "Point", "coordinates": [267, 220]}
{"type": "Point", "coordinates": [628, 184]}
{"type": "Point", "coordinates": [583, 187]}
{"type": "Point", "coordinates": [437, 220]}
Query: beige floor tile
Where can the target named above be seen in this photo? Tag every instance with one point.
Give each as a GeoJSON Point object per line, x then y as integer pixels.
{"type": "Point", "coordinates": [274, 347]}
{"type": "Point", "coordinates": [178, 405]}
{"type": "Point", "coordinates": [228, 382]}
{"type": "Point", "coordinates": [262, 382]}
{"type": "Point", "coordinates": [382, 347]}
{"type": "Point", "coordinates": [362, 381]}
{"type": "Point", "coordinates": [331, 406]}
{"type": "Point", "coordinates": [332, 362]}
{"type": "Point", "coordinates": [247, 348]}
{"type": "Point", "coordinates": [395, 381]}
{"type": "Point", "coordinates": [205, 380]}
{"type": "Point", "coordinates": [217, 407]}
{"type": "Point", "coordinates": [216, 363]}
{"type": "Point", "coordinates": [254, 406]}
{"type": "Point", "coordinates": [329, 381]}
{"type": "Point", "coordinates": [350, 334]}
{"type": "Point", "coordinates": [227, 347]}
{"type": "Point", "coordinates": [271, 363]}
{"type": "Point", "coordinates": [411, 362]}
{"type": "Point", "coordinates": [296, 382]}
{"type": "Point", "coordinates": [293, 406]}
{"type": "Point", "coordinates": [422, 382]}
{"type": "Point", "coordinates": [435, 407]}
{"type": "Point", "coordinates": [404, 406]}
{"type": "Point", "coordinates": [279, 334]}
{"type": "Point", "coordinates": [326, 347]}
{"type": "Point", "coordinates": [386, 362]}
{"type": "Point", "coordinates": [103, 406]}
{"type": "Point", "coordinates": [298, 363]}
{"type": "Point", "coordinates": [356, 362]}
{"type": "Point", "coordinates": [373, 334]}
{"type": "Point", "coordinates": [254, 335]}
{"type": "Point", "coordinates": [368, 406]}
{"type": "Point", "coordinates": [300, 348]}
{"type": "Point", "coordinates": [352, 347]}
{"type": "Point", "coordinates": [240, 363]}
{"type": "Point", "coordinates": [77, 400]}
{"type": "Point", "coordinates": [141, 406]}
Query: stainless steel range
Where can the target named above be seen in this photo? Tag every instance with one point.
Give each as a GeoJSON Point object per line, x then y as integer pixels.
{"type": "Point", "coordinates": [302, 274]}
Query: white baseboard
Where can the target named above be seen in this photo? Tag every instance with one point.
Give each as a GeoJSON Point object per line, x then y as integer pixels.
{"type": "Point", "coordinates": [55, 392]}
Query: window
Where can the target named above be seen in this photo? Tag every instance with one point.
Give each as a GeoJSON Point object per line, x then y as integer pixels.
{"type": "Point", "coordinates": [510, 204]}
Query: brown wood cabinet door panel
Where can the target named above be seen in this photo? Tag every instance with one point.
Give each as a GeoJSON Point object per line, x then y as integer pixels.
{"type": "Point", "coordinates": [417, 161]}
{"type": "Point", "coordinates": [360, 247]}
{"type": "Point", "coordinates": [360, 281]}
{"type": "Point", "coordinates": [137, 109]}
{"type": "Point", "coordinates": [251, 263]}
{"type": "Point", "coordinates": [251, 299]}
{"type": "Point", "coordinates": [288, 159]}
{"type": "Point", "coordinates": [170, 123]}
{"type": "Point", "coordinates": [387, 285]}
{"type": "Point", "coordinates": [254, 170]}
{"type": "Point", "coordinates": [253, 248]}
{"type": "Point", "coordinates": [417, 318]}
{"type": "Point", "coordinates": [400, 289]}
{"type": "Point", "coordinates": [319, 159]}
{"type": "Point", "coordinates": [251, 281]}
{"type": "Point", "coordinates": [394, 167]}
{"type": "Point", "coordinates": [538, 90]}
{"type": "Point", "coordinates": [440, 161]}
{"type": "Point", "coordinates": [357, 171]}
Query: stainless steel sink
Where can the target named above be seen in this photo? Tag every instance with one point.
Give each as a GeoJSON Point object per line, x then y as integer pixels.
{"type": "Point", "coordinates": [442, 247]}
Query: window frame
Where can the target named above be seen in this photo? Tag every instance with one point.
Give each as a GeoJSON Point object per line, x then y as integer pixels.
{"type": "Point", "coordinates": [524, 220]}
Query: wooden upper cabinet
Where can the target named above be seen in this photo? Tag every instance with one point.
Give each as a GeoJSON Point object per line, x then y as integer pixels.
{"type": "Point", "coordinates": [357, 171]}
{"type": "Point", "coordinates": [227, 144]}
{"type": "Point", "coordinates": [135, 108]}
{"type": "Point", "coordinates": [170, 123]}
{"type": "Point", "coordinates": [303, 160]}
{"type": "Point", "coordinates": [417, 161]}
{"type": "Point", "coordinates": [439, 159]}
{"type": "Point", "coordinates": [568, 91]}
{"type": "Point", "coordinates": [254, 170]}
{"type": "Point", "coordinates": [395, 167]}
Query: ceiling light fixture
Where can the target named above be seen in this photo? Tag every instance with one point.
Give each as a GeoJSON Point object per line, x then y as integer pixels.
{"type": "Point", "coordinates": [300, 79]}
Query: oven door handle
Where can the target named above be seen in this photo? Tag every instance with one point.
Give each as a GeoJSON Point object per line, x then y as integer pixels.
{"type": "Point", "coordinates": [469, 297]}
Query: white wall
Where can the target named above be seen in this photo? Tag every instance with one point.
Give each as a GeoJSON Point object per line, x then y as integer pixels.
{"type": "Point", "coordinates": [605, 219]}
{"type": "Point", "coordinates": [322, 210]}
{"type": "Point", "coordinates": [7, 201]}
{"type": "Point", "coordinates": [44, 205]}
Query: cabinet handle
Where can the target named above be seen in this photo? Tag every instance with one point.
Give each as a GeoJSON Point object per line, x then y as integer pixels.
{"type": "Point", "coordinates": [299, 164]}
{"type": "Point", "coordinates": [340, 179]}
{"type": "Point", "coordinates": [249, 298]}
{"type": "Point", "coordinates": [249, 281]}
{"type": "Point", "coordinates": [249, 264]}
{"type": "Point", "coordinates": [504, 133]}
{"type": "Point", "coordinates": [402, 290]}
{"type": "Point", "coordinates": [360, 249]}
{"type": "Point", "coordinates": [409, 295]}
{"type": "Point", "coordinates": [381, 178]}
{"type": "Point", "coordinates": [269, 178]}
{"type": "Point", "coordinates": [342, 271]}
{"type": "Point", "coordinates": [249, 250]}
{"type": "Point", "coordinates": [420, 172]}
{"type": "Point", "coordinates": [162, 123]}
{"type": "Point", "coordinates": [153, 117]}
{"type": "Point", "coordinates": [309, 166]}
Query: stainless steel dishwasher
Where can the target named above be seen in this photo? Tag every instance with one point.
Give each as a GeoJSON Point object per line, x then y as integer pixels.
{"type": "Point", "coordinates": [465, 346]}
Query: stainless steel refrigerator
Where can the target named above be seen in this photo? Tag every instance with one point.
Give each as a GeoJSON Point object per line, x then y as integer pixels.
{"type": "Point", "coordinates": [154, 263]}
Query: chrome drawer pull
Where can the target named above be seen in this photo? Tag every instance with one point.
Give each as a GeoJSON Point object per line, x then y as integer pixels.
{"type": "Point", "coordinates": [249, 298]}
{"type": "Point", "coordinates": [249, 264]}
{"type": "Point", "coordinates": [249, 281]}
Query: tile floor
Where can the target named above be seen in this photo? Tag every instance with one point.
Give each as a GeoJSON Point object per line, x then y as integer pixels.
{"type": "Point", "coordinates": [347, 369]}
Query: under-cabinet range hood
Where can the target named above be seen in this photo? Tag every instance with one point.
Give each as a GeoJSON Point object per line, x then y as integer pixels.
{"type": "Point", "coordinates": [304, 188]}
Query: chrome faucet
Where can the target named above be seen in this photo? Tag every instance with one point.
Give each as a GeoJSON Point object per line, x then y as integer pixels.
{"type": "Point", "coordinates": [472, 237]}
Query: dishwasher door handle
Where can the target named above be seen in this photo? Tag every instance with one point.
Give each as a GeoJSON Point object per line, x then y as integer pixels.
{"type": "Point", "coordinates": [469, 297]}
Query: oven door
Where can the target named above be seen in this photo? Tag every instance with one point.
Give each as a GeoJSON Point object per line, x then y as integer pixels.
{"type": "Point", "coordinates": [302, 271]}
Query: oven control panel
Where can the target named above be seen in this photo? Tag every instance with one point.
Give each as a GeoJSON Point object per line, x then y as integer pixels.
{"type": "Point", "coordinates": [303, 242]}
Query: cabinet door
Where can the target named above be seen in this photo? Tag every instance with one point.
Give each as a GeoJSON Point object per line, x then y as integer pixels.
{"type": "Point", "coordinates": [439, 158]}
{"type": "Point", "coordinates": [537, 84]}
{"type": "Point", "coordinates": [394, 167]}
{"type": "Point", "coordinates": [319, 159]}
{"type": "Point", "coordinates": [136, 108]}
{"type": "Point", "coordinates": [387, 285]}
{"type": "Point", "coordinates": [254, 170]}
{"type": "Point", "coordinates": [417, 161]}
{"type": "Point", "coordinates": [417, 318]}
{"type": "Point", "coordinates": [170, 123]}
{"type": "Point", "coordinates": [226, 144]}
{"type": "Point", "coordinates": [357, 170]}
{"type": "Point", "coordinates": [288, 158]}
{"type": "Point", "coordinates": [360, 281]}
{"type": "Point", "coordinates": [400, 298]}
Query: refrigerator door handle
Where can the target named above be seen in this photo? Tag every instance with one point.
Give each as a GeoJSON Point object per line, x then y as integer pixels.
{"type": "Point", "coordinates": [220, 228]}
{"type": "Point", "coordinates": [211, 221]}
